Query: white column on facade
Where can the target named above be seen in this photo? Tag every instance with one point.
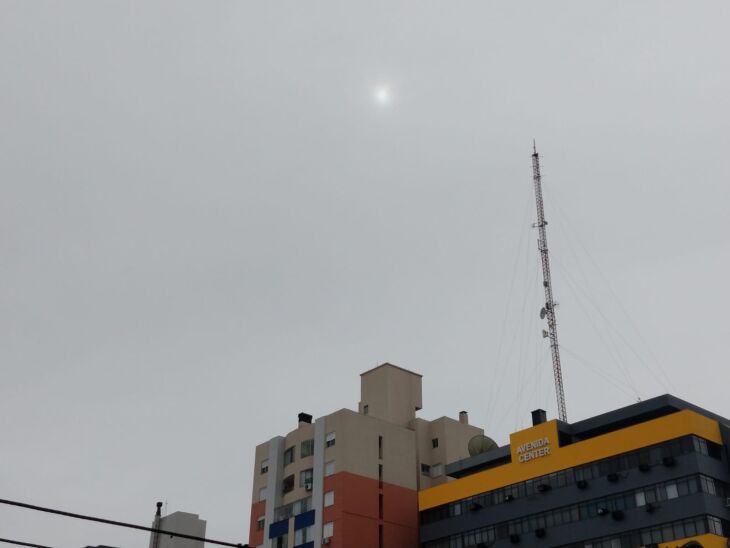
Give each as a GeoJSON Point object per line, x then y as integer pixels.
{"type": "Point", "coordinates": [273, 484]}
{"type": "Point", "coordinates": [318, 479]}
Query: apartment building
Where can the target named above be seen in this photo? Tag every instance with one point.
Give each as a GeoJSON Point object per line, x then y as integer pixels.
{"type": "Point", "coordinates": [351, 478]}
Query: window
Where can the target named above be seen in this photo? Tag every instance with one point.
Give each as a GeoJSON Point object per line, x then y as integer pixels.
{"type": "Point", "coordinates": [288, 456]}
{"type": "Point", "coordinates": [293, 509]}
{"type": "Point", "coordinates": [306, 449]}
{"type": "Point", "coordinates": [288, 484]}
{"type": "Point", "coordinates": [260, 523]}
{"type": "Point", "coordinates": [305, 478]}
{"type": "Point", "coordinates": [328, 530]}
{"type": "Point", "coordinates": [365, 409]}
{"type": "Point", "coordinates": [640, 498]}
{"type": "Point", "coordinates": [435, 443]}
{"type": "Point", "coordinates": [437, 470]}
{"type": "Point", "coordinates": [425, 469]}
{"type": "Point", "coordinates": [329, 439]}
{"type": "Point", "coordinates": [329, 498]}
{"type": "Point", "coordinates": [672, 491]}
{"type": "Point", "coordinates": [329, 468]}
{"type": "Point", "coordinates": [282, 541]}
{"type": "Point", "coordinates": [708, 486]}
{"type": "Point", "coordinates": [262, 493]}
{"type": "Point", "coordinates": [264, 466]}
{"type": "Point", "coordinates": [301, 506]}
{"type": "Point", "coordinates": [303, 535]}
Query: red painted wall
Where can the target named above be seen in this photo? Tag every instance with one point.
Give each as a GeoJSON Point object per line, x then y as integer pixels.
{"type": "Point", "coordinates": [355, 513]}
{"type": "Point", "coordinates": [258, 509]}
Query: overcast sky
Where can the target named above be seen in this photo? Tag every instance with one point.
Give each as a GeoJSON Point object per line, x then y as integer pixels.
{"type": "Point", "coordinates": [215, 215]}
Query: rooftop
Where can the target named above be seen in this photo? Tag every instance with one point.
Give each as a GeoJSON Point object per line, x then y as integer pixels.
{"type": "Point", "coordinates": [611, 421]}
{"type": "Point", "coordinates": [386, 364]}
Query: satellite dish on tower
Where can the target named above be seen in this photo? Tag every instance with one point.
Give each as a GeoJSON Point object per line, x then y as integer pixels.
{"type": "Point", "coordinates": [481, 444]}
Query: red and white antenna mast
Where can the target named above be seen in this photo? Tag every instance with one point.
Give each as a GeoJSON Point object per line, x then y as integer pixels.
{"type": "Point", "coordinates": [548, 310]}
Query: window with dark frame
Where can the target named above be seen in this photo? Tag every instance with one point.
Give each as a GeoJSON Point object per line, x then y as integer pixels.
{"type": "Point", "coordinates": [305, 478]}
{"type": "Point", "coordinates": [306, 449]}
{"type": "Point", "coordinates": [289, 456]}
{"type": "Point", "coordinates": [329, 439]}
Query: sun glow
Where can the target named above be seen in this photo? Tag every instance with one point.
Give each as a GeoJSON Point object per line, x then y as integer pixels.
{"type": "Point", "coordinates": [383, 94]}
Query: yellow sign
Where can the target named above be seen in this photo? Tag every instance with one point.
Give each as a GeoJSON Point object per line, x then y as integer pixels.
{"type": "Point", "coordinates": [533, 449]}
{"type": "Point", "coordinates": [537, 442]}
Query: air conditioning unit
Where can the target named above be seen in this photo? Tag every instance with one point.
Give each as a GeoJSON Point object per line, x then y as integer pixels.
{"type": "Point", "coordinates": [326, 540]}
{"type": "Point", "coordinates": [308, 486]}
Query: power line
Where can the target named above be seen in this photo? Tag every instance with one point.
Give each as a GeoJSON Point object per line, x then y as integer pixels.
{"type": "Point", "coordinates": [20, 543]}
{"type": "Point", "coordinates": [117, 523]}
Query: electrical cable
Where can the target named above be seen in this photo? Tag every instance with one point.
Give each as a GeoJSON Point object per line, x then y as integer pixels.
{"type": "Point", "coordinates": [118, 523]}
{"type": "Point", "coordinates": [20, 543]}
{"type": "Point", "coordinates": [626, 389]}
{"type": "Point", "coordinates": [612, 350]}
{"type": "Point", "coordinates": [573, 233]}
{"type": "Point", "coordinates": [496, 379]}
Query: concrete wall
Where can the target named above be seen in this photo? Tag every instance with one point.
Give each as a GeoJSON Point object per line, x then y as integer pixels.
{"type": "Point", "coordinates": [391, 393]}
{"type": "Point", "coordinates": [182, 522]}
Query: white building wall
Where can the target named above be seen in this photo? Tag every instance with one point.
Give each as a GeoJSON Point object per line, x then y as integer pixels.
{"type": "Point", "coordinates": [182, 522]}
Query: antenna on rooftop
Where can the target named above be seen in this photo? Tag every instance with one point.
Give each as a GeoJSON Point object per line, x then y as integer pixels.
{"type": "Point", "coordinates": [548, 311]}
{"type": "Point", "coordinates": [155, 542]}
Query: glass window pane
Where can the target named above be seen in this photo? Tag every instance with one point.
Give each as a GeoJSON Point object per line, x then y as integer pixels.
{"type": "Point", "coordinates": [640, 499]}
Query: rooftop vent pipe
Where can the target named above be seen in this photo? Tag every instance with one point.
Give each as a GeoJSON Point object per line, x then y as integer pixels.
{"type": "Point", "coordinates": [538, 417]}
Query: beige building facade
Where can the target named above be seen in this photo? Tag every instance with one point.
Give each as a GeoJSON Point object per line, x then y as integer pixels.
{"type": "Point", "coordinates": [351, 478]}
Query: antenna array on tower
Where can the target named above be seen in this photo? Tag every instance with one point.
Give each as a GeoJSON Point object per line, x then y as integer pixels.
{"type": "Point", "coordinates": [548, 311]}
